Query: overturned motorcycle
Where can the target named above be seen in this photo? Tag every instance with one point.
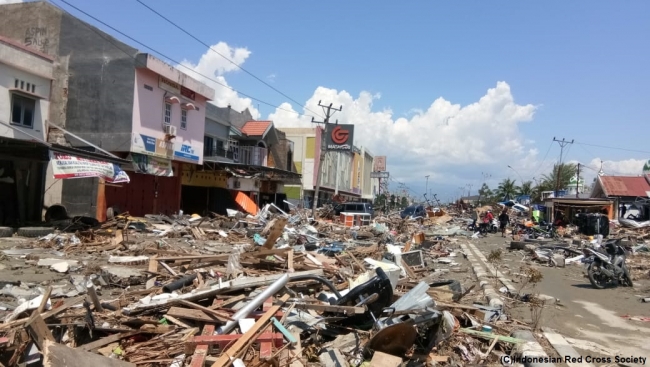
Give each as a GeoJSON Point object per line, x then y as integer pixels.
{"type": "Point", "coordinates": [604, 268]}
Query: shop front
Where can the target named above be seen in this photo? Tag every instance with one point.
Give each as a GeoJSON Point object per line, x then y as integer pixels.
{"type": "Point", "coordinates": [23, 167]}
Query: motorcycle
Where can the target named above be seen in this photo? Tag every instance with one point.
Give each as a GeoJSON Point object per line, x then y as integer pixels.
{"type": "Point", "coordinates": [608, 267]}
{"type": "Point", "coordinates": [491, 227]}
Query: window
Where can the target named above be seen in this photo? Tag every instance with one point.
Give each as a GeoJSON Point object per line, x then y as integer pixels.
{"type": "Point", "coordinates": [221, 148]}
{"type": "Point", "coordinates": [168, 113]}
{"type": "Point", "coordinates": [184, 119]}
{"type": "Point", "coordinates": [22, 110]}
{"type": "Point", "coordinates": [208, 146]}
{"type": "Point", "coordinates": [233, 146]}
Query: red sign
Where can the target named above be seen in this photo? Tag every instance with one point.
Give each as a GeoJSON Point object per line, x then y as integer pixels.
{"type": "Point", "coordinates": [187, 93]}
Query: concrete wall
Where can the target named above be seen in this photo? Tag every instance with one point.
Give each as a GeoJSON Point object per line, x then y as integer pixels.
{"type": "Point", "coordinates": [306, 166]}
{"type": "Point", "coordinates": [38, 25]}
{"type": "Point", "coordinates": [367, 166]}
{"type": "Point", "coordinates": [217, 130]}
{"type": "Point", "coordinates": [15, 66]}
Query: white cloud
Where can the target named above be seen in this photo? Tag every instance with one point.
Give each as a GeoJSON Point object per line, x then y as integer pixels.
{"type": "Point", "coordinates": [211, 69]}
{"type": "Point", "coordinates": [271, 77]}
{"type": "Point", "coordinates": [628, 167]}
{"type": "Point", "coordinates": [443, 138]}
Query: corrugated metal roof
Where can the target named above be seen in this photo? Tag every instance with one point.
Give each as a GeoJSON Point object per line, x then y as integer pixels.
{"type": "Point", "coordinates": [256, 128]}
{"type": "Point", "coordinates": [625, 185]}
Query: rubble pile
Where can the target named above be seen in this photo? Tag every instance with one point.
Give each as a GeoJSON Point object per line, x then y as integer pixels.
{"type": "Point", "coordinates": [276, 289]}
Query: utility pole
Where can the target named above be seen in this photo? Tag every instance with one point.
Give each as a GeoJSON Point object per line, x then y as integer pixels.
{"type": "Point", "coordinates": [578, 181]}
{"type": "Point", "coordinates": [329, 111]}
{"type": "Point", "coordinates": [427, 187]}
{"type": "Point", "coordinates": [562, 143]}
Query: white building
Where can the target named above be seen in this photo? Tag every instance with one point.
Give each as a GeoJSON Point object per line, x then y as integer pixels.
{"type": "Point", "coordinates": [25, 83]}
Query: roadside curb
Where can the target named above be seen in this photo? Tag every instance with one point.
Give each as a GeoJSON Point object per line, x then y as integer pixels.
{"type": "Point", "coordinates": [490, 293]}
{"type": "Point", "coordinates": [530, 349]}
{"type": "Point", "coordinates": [492, 269]}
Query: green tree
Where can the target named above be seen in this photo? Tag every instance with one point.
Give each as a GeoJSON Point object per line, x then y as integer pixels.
{"type": "Point", "coordinates": [405, 202]}
{"type": "Point", "coordinates": [526, 188]}
{"type": "Point", "coordinates": [380, 201]}
{"type": "Point", "coordinates": [506, 187]}
{"type": "Point", "coordinates": [484, 194]}
{"type": "Point", "coordinates": [564, 171]}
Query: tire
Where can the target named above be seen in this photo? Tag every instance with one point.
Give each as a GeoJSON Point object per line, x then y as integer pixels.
{"type": "Point", "coordinates": [452, 286]}
{"type": "Point", "coordinates": [518, 245]}
{"type": "Point", "coordinates": [592, 279]}
{"type": "Point", "coordinates": [6, 232]}
{"type": "Point", "coordinates": [33, 232]}
{"type": "Point", "coordinates": [56, 212]}
{"type": "Point", "coordinates": [627, 277]}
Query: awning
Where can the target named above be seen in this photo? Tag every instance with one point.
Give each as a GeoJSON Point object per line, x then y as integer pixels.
{"type": "Point", "coordinates": [246, 203]}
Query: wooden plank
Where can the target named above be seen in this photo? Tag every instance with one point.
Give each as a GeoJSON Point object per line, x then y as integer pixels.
{"type": "Point", "coordinates": [266, 348]}
{"type": "Point", "coordinates": [201, 351]}
{"type": "Point", "coordinates": [223, 341]}
{"type": "Point", "coordinates": [290, 260]}
{"type": "Point", "coordinates": [67, 304]}
{"type": "Point", "coordinates": [58, 355]}
{"type": "Point", "coordinates": [296, 351]}
{"type": "Point", "coordinates": [38, 330]}
{"type": "Point", "coordinates": [235, 349]}
{"type": "Point", "coordinates": [223, 317]}
{"type": "Point", "coordinates": [107, 340]}
{"type": "Point", "coordinates": [277, 227]}
{"type": "Point", "coordinates": [46, 297]}
{"type": "Point", "coordinates": [409, 271]}
{"type": "Point", "coordinates": [190, 314]}
{"type": "Point", "coordinates": [153, 267]}
{"type": "Point", "coordinates": [380, 359]}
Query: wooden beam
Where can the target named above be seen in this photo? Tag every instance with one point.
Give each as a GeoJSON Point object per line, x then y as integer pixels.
{"type": "Point", "coordinates": [38, 330]}
{"type": "Point", "coordinates": [224, 360]}
{"type": "Point", "coordinates": [201, 351]}
{"type": "Point", "coordinates": [107, 340]}
{"type": "Point", "coordinates": [58, 355]}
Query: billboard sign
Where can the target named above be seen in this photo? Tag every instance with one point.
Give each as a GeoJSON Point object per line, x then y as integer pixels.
{"type": "Point", "coordinates": [339, 137]}
{"type": "Point", "coordinates": [383, 174]}
{"type": "Point", "coordinates": [379, 164]}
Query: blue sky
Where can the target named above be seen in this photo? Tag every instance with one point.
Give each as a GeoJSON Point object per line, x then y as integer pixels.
{"type": "Point", "coordinates": [582, 64]}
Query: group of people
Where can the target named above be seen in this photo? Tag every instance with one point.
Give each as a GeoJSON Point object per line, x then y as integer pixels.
{"type": "Point", "coordinates": [488, 217]}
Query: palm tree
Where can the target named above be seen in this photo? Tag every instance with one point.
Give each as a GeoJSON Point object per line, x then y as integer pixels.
{"type": "Point", "coordinates": [526, 188]}
{"type": "Point", "coordinates": [565, 171]}
{"type": "Point", "coordinates": [507, 187]}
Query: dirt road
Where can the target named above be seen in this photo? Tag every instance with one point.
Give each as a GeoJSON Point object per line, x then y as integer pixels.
{"type": "Point", "coordinates": [591, 316]}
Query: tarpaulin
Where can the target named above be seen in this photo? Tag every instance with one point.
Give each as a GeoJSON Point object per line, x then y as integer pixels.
{"type": "Point", "coordinates": [69, 166]}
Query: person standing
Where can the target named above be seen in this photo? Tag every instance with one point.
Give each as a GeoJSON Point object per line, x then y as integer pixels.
{"type": "Point", "coordinates": [503, 221]}
{"type": "Point", "coordinates": [474, 218]}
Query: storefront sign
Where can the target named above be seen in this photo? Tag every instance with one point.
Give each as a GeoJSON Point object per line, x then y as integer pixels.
{"type": "Point", "coordinates": [187, 93]}
{"type": "Point", "coordinates": [68, 166]}
{"type": "Point", "coordinates": [379, 174]}
{"type": "Point", "coordinates": [339, 137]}
{"type": "Point", "coordinates": [379, 163]}
{"type": "Point", "coordinates": [149, 145]}
{"type": "Point", "coordinates": [168, 85]}
{"type": "Point", "coordinates": [188, 152]}
{"type": "Point", "coordinates": [152, 165]}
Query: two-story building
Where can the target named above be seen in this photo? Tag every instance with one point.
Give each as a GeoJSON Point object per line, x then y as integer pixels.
{"type": "Point", "coordinates": [245, 165]}
{"type": "Point", "coordinates": [106, 96]}
{"type": "Point", "coordinates": [26, 77]}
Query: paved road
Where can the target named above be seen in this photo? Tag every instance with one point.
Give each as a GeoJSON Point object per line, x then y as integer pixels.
{"type": "Point", "coordinates": [584, 313]}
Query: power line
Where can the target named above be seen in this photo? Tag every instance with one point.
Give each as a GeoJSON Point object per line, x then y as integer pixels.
{"type": "Point", "coordinates": [220, 54]}
{"type": "Point", "coordinates": [544, 160]}
{"type": "Point", "coordinates": [615, 148]}
{"type": "Point", "coordinates": [562, 144]}
{"type": "Point", "coordinates": [161, 54]}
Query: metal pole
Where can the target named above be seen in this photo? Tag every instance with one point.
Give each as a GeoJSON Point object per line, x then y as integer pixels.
{"type": "Point", "coordinates": [254, 304]}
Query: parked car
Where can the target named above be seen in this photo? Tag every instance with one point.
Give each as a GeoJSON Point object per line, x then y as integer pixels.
{"type": "Point", "coordinates": [355, 207]}
{"type": "Point", "coordinates": [413, 211]}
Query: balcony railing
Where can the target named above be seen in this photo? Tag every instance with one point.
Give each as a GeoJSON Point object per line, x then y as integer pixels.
{"type": "Point", "coordinates": [254, 156]}
{"type": "Point", "coordinates": [214, 151]}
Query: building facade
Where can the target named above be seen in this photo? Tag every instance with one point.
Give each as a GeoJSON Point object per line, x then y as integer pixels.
{"type": "Point", "coordinates": [346, 174]}
{"type": "Point", "coordinates": [106, 96]}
